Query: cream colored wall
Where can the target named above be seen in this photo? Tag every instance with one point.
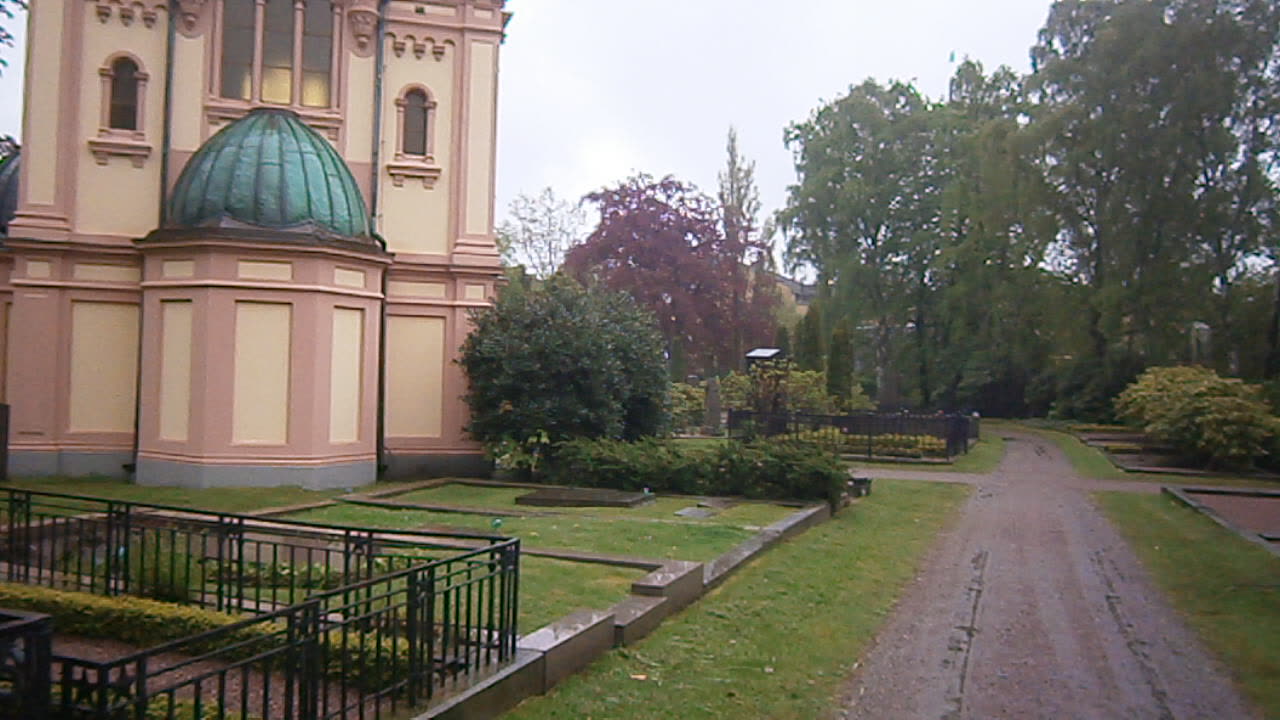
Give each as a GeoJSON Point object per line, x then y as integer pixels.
{"type": "Point", "coordinates": [480, 127]}
{"type": "Point", "coordinates": [40, 132]}
{"type": "Point", "coordinates": [186, 132]}
{"type": "Point", "coordinates": [175, 369]}
{"type": "Point", "coordinates": [118, 198]}
{"type": "Point", "coordinates": [415, 376]}
{"type": "Point", "coordinates": [346, 375]}
{"type": "Point", "coordinates": [104, 366]}
{"type": "Point", "coordinates": [416, 219]}
{"type": "Point", "coordinates": [358, 101]}
{"type": "Point", "coordinates": [260, 398]}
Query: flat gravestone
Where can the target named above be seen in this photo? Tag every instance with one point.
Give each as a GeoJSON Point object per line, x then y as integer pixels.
{"type": "Point", "coordinates": [717, 503]}
{"type": "Point", "coordinates": [584, 497]}
{"type": "Point", "coordinates": [696, 512]}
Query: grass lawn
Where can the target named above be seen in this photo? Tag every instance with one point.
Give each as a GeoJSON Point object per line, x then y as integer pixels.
{"type": "Point", "coordinates": [663, 507]}
{"type": "Point", "coordinates": [640, 537]}
{"type": "Point", "coordinates": [1228, 588]}
{"type": "Point", "coordinates": [982, 458]}
{"type": "Point", "coordinates": [778, 638]}
{"type": "Point", "coordinates": [551, 589]}
{"type": "Point", "coordinates": [224, 499]}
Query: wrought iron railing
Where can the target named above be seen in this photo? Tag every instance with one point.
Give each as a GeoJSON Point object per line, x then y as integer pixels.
{"type": "Point", "coordinates": [25, 646]}
{"type": "Point", "coordinates": [865, 434]}
{"type": "Point", "coordinates": [346, 622]}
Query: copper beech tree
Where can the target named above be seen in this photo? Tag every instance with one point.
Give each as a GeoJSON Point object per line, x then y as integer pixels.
{"type": "Point", "coordinates": [663, 242]}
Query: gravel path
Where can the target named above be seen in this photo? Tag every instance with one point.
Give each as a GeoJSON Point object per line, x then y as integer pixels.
{"type": "Point", "coordinates": [1032, 606]}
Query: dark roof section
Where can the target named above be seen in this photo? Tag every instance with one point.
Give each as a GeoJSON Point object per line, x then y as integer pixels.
{"type": "Point", "coordinates": [270, 170]}
{"type": "Point", "coordinates": [9, 167]}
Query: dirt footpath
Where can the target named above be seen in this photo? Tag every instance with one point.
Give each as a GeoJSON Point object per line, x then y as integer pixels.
{"type": "Point", "coordinates": [1032, 606]}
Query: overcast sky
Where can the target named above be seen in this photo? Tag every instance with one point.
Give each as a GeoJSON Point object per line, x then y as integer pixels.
{"type": "Point", "coordinates": [592, 90]}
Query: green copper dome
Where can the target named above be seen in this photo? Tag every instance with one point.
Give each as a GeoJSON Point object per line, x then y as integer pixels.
{"type": "Point", "coordinates": [269, 170]}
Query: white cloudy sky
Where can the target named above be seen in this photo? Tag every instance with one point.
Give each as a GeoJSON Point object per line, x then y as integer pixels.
{"type": "Point", "coordinates": [592, 90]}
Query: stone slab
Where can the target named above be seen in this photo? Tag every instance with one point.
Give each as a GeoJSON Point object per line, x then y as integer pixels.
{"type": "Point", "coordinates": [570, 643]}
{"type": "Point", "coordinates": [495, 694]}
{"type": "Point", "coordinates": [698, 513]}
{"type": "Point", "coordinates": [636, 617]}
{"type": "Point", "coordinates": [679, 581]}
{"type": "Point", "coordinates": [584, 497]}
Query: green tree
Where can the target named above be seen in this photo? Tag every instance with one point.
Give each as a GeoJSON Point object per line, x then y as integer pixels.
{"type": "Point", "coordinates": [539, 230]}
{"type": "Point", "coordinates": [810, 354]}
{"type": "Point", "coordinates": [864, 213]}
{"type": "Point", "coordinates": [753, 293]}
{"type": "Point", "coordinates": [1150, 120]}
{"type": "Point", "coordinates": [840, 366]}
{"type": "Point", "coordinates": [782, 340]}
{"type": "Point", "coordinates": [8, 12]}
{"type": "Point", "coordinates": [560, 361]}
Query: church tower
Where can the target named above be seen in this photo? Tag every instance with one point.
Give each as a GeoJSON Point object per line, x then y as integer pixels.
{"type": "Point", "coordinates": [245, 236]}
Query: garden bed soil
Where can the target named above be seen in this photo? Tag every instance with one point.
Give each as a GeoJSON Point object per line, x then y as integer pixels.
{"type": "Point", "coordinates": [1251, 512]}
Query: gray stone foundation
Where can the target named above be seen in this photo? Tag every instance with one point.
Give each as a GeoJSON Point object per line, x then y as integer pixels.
{"type": "Point", "coordinates": [322, 477]}
{"type": "Point", "coordinates": [64, 463]}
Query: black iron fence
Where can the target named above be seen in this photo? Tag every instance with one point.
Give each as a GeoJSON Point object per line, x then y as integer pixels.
{"type": "Point", "coordinates": [339, 622]}
{"type": "Point", "coordinates": [25, 646]}
{"type": "Point", "coordinates": [868, 435]}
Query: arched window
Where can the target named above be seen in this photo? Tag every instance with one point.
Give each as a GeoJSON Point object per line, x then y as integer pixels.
{"type": "Point", "coordinates": [123, 114]}
{"type": "Point", "coordinates": [416, 112]}
{"type": "Point", "coordinates": [415, 147]}
{"type": "Point", "coordinates": [286, 72]}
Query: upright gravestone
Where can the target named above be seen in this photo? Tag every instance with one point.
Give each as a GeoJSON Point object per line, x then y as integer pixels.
{"type": "Point", "coordinates": [711, 422]}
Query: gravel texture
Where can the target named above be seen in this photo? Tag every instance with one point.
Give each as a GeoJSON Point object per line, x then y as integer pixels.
{"type": "Point", "coordinates": [1032, 606]}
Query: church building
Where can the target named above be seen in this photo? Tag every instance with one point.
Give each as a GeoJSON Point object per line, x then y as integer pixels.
{"type": "Point", "coordinates": [241, 238]}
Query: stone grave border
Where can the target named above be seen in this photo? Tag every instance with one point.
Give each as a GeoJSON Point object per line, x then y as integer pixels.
{"type": "Point", "coordinates": [1183, 495]}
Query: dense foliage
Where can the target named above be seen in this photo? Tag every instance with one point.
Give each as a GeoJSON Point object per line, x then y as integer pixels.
{"type": "Point", "coordinates": [1219, 421]}
{"type": "Point", "coordinates": [779, 386]}
{"type": "Point", "coordinates": [1033, 242]}
{"type": "Point", "coordinates": [557, 361]}
{"type": "Point", "coordinates": [688, 406]}
{"type": "Point", "coordinates": [761, 469]}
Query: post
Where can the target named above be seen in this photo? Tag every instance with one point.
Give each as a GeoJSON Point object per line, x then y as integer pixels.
{"type": "Point", "coordinates": [4, 442]}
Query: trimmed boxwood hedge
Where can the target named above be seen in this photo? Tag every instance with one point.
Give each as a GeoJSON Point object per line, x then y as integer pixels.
{"type": "Point", "coordinates": [764, 469]}
{"type": "Point", "coordinates": [147, 623]}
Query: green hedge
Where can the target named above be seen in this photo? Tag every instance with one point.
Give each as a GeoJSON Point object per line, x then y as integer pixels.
{"type": "Point", "coordinates": [765, 469]}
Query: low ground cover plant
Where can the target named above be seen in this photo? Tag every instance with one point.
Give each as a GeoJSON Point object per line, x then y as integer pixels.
{"type": "Point", "coordinates": [889, 445]}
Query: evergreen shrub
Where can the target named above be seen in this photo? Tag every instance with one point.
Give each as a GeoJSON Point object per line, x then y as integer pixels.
{"type": "Point", "coordinates": [761, 469]}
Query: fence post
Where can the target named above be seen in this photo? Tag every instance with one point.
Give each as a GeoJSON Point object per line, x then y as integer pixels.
{"type": "Point", "coordinates": [311, 674]}
{"type": "Point", "coordinates": [413, 606]}
{"type": "Point", "coordinates": [4, 442]}
{"type": "Point", "coordinates": [430, 631]}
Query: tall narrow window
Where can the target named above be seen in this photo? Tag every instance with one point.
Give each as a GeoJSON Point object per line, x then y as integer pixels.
{"type": "Point", "coordinates": [277, 52]}
{"type": "Point", "coordinates": [317, 53]}
{"type": "Point", "coordinates": [237, 49]}
{"type": "Point", "coordinates": [415, 123]}
{"type": "Point", "coordinates": [124, 95]}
